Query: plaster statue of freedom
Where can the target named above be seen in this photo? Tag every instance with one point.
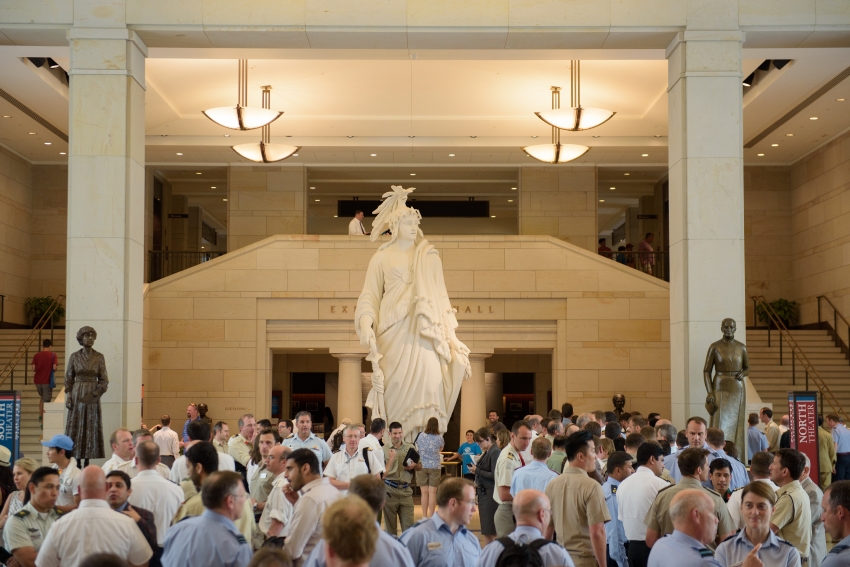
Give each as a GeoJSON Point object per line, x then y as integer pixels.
{"type": "Point", "coordinates": [726, 401]}
{"type": "Point", "coordinates": [405, 319]}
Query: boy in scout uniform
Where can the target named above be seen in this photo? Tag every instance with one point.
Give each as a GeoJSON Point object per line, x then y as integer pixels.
{"type": "Point", "coordinates": [399, 504]}
{"type": "Point", "coordinates": [26, 530]}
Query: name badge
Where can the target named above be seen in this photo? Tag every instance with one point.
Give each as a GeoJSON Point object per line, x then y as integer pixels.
{"type": "Point", "coordinates": [434, 545]}
{"type": "Point", "coordinates": [264, 475]}
{"type": "Point", "coordinates": [35, 533]}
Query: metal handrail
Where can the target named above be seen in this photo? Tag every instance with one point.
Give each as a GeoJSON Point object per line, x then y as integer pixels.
{"type": "Point", "coordinates": [23, 350]}
{"type": "Point", "coordinates": [836, 336]}
{"type": "Point", "coordinates": [798, 354]}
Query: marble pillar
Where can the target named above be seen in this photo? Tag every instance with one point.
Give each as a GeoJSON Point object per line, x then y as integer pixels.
{"type": "Point", "coordinates": [473, 399]}
{"type": "Point", "coordinates": [350, 392]}
{"type": "Point", "coordinates": [706, 204]}
{"type": "Point", "coordinates": [106, 209]}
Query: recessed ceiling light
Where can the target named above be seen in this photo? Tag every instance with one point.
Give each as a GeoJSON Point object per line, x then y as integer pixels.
{"type": "Point", "coordinates": [411, 136]}
{"type": "Point", "coordinates": [761, 155]}
{"type": "Point", "coordinates": [789, 135]}
{"type": "Point", "coordinates": [813, 118]}
{"type": "Point", "coordinates": [295, 155]}
{"type": "Point", "coordinates": [312, 187]}
{"type": "Point", "coordinates": [374, 155]}
{"type": "Point", "coordinates": [627, 174]}
{"type": "Point", "coordinates": [644, 155]}
{"type": "Point", "coordinates": [61, 153]}
{"type": "Point", "coordinates": [309, 349]}
{"type": "Point", "coordinates": [513, 188]}
{"type": "Point", "coordinates": [534, 136]}
{"type": "Point", "coordinates": [227, 135]}
{"type": "Point", "coordinates": [774, 145]}
{"type": "Point", "coordinates": [510, 200]}
{"type": "Point", "coordinates": [31, 133]}
{"type": "Point", "coordinates": [317, 200]}
{"type": "Point", "coordinates": [335, 216]}
{"type": "Point", "coordinates": [179, 154]}
{"type": "Point", "coordinates": [47, 143]}
{"type": "Point", "coordinates": [212, 187]}
{"type": "Point", "coordinates": [492, 216]}
{"type": "Point", "coordinates": [612, 188]}
{"type": "Point", "coordinates": [658, 135]}
{"type": "Point", "coordinates": [451, 155]}
{"type": "Point", "coordinates": [473, 136]}
{"type": "Point", "coordinates": [601, 200]}
{"type": "Point", "coordinates": [7, 116]}
{"type": "Point", "coordinates": [837, 100]}
{"type": "Point", "coordinates": [225, 200]}
{"type": "Point", "coordinates": [197, 173]}
{"type": "Point", "coordinates": [349, 136]}
{"type": "Point", "coordinates": [595, 136]}
{"type": "Point", "coordinates": [412, 174]}
{"type": "Point", "coordinates": [202, 247]}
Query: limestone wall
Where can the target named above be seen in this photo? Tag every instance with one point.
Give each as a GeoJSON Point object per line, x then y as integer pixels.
{"type": "Point", "coordinates": [49, 230]}
{"type": "Point", "coordinates": [820, 228]}
{"type": "Point", "coordinates": [211, 332]}
{"type": "Point", "coordinates": [15, 228]}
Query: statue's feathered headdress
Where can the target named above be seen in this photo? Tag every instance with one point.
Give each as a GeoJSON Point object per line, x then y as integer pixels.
{"type": "Point", "coordinates": [390, 212]}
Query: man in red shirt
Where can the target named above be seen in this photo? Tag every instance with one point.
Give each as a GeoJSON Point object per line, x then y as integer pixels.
{"type": "Point", "coordinates": [43, 362]}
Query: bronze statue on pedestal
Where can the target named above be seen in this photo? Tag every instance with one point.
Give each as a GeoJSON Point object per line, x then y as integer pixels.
{"type": "Point", "coordinates": [85, 382]}
{"type": "Point", "coordinates": [726, 400]}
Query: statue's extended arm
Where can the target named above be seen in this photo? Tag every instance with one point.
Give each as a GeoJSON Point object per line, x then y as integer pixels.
{"type": "Point", "coordinates": [706, 370]}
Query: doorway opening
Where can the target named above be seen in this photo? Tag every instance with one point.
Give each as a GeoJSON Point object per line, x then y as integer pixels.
{"type": "Point", "coordinates": [308, 394]}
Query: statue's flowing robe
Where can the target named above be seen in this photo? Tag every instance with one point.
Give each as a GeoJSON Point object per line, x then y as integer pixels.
{"type": "Point", "coordinates": [412, 315]}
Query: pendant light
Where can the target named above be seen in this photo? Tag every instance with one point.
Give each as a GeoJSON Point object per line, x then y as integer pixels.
{"type": "Point", "coordinates": [242, 117]}
{"type": "Point", "coordinates": [575, 118]}
{"type": "Point", "coordinates": [265, 151]}
{"type": "Point", "coordinates": [556, 152]}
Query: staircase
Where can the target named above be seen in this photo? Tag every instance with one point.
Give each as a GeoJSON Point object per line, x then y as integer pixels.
{"type": "Point", "coordinates": [773, 381]}
{"type": "Point", "coordinates": [10, 341]}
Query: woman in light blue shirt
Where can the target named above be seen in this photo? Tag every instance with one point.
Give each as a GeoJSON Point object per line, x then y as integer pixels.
{"type": "Point", "coordinates": [429, 443]}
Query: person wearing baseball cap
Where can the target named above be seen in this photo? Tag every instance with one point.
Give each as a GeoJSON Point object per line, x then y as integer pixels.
{"type": "Point", "coordinates": [60, 454]}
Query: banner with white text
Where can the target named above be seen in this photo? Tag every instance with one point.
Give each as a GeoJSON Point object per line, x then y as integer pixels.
{"type": "Point", "coordinates": [803, 426]}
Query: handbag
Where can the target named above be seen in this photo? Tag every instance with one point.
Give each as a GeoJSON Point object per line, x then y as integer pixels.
{"type": "Point", "coordinates": [52, 379]}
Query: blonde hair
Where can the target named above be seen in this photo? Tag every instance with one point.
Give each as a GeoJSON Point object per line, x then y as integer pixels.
{"type": "Point", "coordinates": [27, 464]}
{"type": "Point", "coordinates": [503, 437]}
{"type": "Point", "coordinates": [349, 529]}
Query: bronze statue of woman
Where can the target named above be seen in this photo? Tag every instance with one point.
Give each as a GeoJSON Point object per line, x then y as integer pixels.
{"type": "Point", "coordinates": [726, 400]}
{"type": "Point", "coordinates": [85, 382]}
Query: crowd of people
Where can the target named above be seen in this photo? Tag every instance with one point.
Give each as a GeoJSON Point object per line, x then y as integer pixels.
{"type": "Point", "coordinates": [590, 490]}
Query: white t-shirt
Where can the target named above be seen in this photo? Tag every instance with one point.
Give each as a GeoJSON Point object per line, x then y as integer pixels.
{"type": "Point", "coordinates": [635, 496]}
{"type": "Point", "coordinates": [180, 468]}
{"type": "Point", "coordinates": [159, 496]}
{"type": "Point", "coordinates": [69, 483]}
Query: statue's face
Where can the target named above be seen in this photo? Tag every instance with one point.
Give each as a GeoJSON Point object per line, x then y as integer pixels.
{"type": "Point", "coordinates": [728, 328]}
{"type": "Point", "coordinates": [408, 228]}
{"type": "Point", "coordinates": [88, 339]}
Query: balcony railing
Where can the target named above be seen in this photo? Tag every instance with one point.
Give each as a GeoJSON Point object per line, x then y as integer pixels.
{"type": "Point", "coordinates": [653, 263]}
{"type": "Point", "coordinates": [165, 263]}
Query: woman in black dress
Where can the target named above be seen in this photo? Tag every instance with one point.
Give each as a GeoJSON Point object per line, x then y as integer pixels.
{"type": "Point", "coordinates": [485, 482]}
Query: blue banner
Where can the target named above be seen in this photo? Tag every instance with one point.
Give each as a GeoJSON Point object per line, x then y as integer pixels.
{"type": "Point", "coordinates": [10, 422]}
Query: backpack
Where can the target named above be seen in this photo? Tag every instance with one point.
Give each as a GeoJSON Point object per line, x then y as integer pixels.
{"type": "Point", "coordinates": [337, 441]}
{"type": "Point", "coordinates": [519, 554]}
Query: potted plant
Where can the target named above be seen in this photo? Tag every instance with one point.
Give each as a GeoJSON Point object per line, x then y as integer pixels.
{"type": "Point", "coordinates": [38, 306]}
{"type": "Point", "coordinates": [785, 310]}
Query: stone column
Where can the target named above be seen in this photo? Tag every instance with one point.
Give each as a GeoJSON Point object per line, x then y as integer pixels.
{"type": "Point", "coordinates": [106, 209]}
{"type": "Point", "coordinates": [706, 205]}
{"type": "Point", "coordinates": [350, 393]}
{"type": "Point", "coordinates": [473, 399]}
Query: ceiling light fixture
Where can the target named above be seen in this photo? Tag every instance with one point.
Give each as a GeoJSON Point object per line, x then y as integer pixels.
{"type": "Point", "coordinates": [62, 153]}
{"type": "Point", "coordinates": [227, 135]}
{"type": "Point", "coordinates": [601, 200]}
{"type": "Point", "coordinates": [813, 118]}
{"type": "Point", "coordinates": [510, 200]}
{"type": "Point", "coordinates": [31, 133]}
{"type": "Point", "coordinates": [774, 145]}
{"type": "Point", "coordinates": [627, 174]}
{"type": "Point", "coordinates": [179, 154]}
{"type": "Point", "coordinates": [534, 136]}
{"type": "Point", "coordinates": [225, 200]}
{"type": "Point", "coordinates": [265, 151]}
{"type": "Point", "coordinates": [213, 187]}
{"type": "Point", "coordinates": [242, 117]}
{"type": "Point", "coordinates": [374, 155]}
{"type": "Point", "coordinates": [760, 155]}
{"type": "Point", "coordinates": [7, 116]}
{"type": "Point", "coordinates": [317, 200]}
{"type": "Point", "coordinates": [47, 143]}
{"type": "Point", "coordinates": [837, 100]}
{"type": "Point", "coordinates": [575, 118]}
{"type": "Point", "coordinates": [412, 174]}
{"type": "Point", "coordinates": [644, 155]}
{"type": "Point", "coordinates": [349, 136]}
{"type": "Point", "coordinates": [556, 152]}
{"type": "Point", "coordinates": [789, 135]}
{"type": "Point", "coordinates": [492, 216]}
{"type": "Point", "coordinates": [197, 173]}
{"type": "Point", "coordinates": [451, 155]}
{"type": "Point", "coordinates": [312, 187]}
{"type": "Point", "coordinates": [612, 188]}
{"type": "Point", "coordinates": [294, 155]}
{"type": "Point", "coordinates": [514, 188]}
{"type": "Point", "coordinates": [748, 82]}
{"type": "Point", "coordinates": [473, 136]}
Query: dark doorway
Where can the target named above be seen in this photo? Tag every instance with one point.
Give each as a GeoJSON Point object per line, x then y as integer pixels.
{"type": "Point", "coordinates": [308, 394]}
{"type": "Point", "coordinates": [518, 394]}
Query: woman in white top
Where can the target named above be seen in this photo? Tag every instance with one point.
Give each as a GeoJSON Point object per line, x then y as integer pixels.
{"type": "Point", "coordinates": [758, 503]}
{"type": "Point", "coordinates": [21, 473]}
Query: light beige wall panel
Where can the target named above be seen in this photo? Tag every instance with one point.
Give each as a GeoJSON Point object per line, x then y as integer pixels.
{"type": "Point", "coordinates": [630, 330]}
{"type": "Point", "coordinates": [224, 308]}
{"type": "Point", "coordinates": [597, 308]}
{"type": "Point", "coordinates": [192, 330]}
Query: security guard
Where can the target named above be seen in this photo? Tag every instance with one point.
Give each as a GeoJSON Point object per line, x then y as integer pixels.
{"type": "Point", "coordinates": [510, 459]}
{"type": "Point", "coordinates": [211, 539]}
{"type": "Point", "coordinates": [25, 530]}
{"type": "Point", "coordinates": [399, 505]}
{"type": "Point", "coordinates": [836, 520]}
{"type": "Point", "coordinates": [619, 469]}
{"type": "Point", "coordinates": [686, 546]}
{"type": "Point", "coordinates": [694, 468]}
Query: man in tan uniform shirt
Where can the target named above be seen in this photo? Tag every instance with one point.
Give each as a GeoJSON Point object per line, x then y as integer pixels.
{"type": "Point", "coordinates": [579, 511]}
{"type": "Point", "coordinates": [510, 459]}
{"type": "Point", "coordinates": [826, 453]}
{"type": "Point", "coordinates": [771, 429]}
{"type": "Point", "coordinates": [693, 466]}
{"type": "Point", "coordinates": [792, 520]}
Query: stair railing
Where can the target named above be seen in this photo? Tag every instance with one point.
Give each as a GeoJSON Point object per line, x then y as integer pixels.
{"type": "Point", "coordinates": [834, 331]}
{"type": "Point", "coordinates": [797, 354]}
{"type": "Point", "coordinates": [23, 350]}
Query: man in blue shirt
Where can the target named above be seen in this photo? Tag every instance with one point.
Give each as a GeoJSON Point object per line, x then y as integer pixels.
{"type": "Point", "coordinates": [836, 520]}
{"type": "Point", "coordinates": [389, 552]}
{"type": "Point", "coordinates": [695, 526]}
{"type": "Point", "coordinates": [756, 440]}
{"type": "Point", "coordinates": [619, 469]}
{"type": "Point", "coordinates": [841, 437]}
{"type": "Point", "coordinates": [193, 414]}
{"type": "Point", "coordinates": [533, 513]}
{"type": "Point", "coordinates": [716, 441]}
{"type": "Point", "coordinates": [306, 439]}
{"type": "Point", "coordinates": [695, 430]}
{"type": "Point", "coordinates": [211, 539]}
{"type": "Point", "coordinates": [443, 540]}
{"type": "Point", "coordinates": [535, 475]}
{"type": "Point", "coordinates": [465, 454]}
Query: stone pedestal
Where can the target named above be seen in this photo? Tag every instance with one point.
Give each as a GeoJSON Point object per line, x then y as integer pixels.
{"type": "Point", "coordinates": [350, 396]}
{"type": "Point", "coordinates": [106, 209]}
{"type": "Point", "coordinates": [706, 205]}
{"type": "Point", "coordinates": [473, 399]}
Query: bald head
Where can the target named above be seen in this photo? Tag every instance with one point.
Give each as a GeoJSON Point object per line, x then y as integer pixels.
{"type": "Point", "coordinates": [531, 508]}
{"type": "Point", "coordinates": [692, 513]}
{"type": "Point", "coordinates": [92, 483]}
{"type": "Point", "coordinates": [663, 422]}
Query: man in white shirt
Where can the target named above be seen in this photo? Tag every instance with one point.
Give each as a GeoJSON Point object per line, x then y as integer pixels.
{"type": "Point", "coordinates": [167, 441]}
{"type": "Point", "coordinates": [760, 469]}
{"type": "Point", "coordinates": [123, 449]}
{"type": "Point", "coordinates": [152, 492]}
{"type": "Point", "coordinates": [373, 440]}
{"type": "Point", "coordinates": [278, 510]}
{"type": "Point", "coordinates": [352, 461]}
{"type": "Point", "coordinates": [59, 454]}
{"type": "Point", "coordinates": [93, 528]}
{"type": "Point", "coordinates": [635, 496]}
{"type": "Point", "coordinates": [131, 467]}
{"type": "Point", "coordinates": [311, 494]}
{"type": "Point", "coordinates": [197, 431]}
{"type": "Point", "coordinates": [355, 227]}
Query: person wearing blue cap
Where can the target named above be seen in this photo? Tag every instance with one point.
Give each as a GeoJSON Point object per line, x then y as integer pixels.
{"type": "Point", "coordinates": [60, 454]}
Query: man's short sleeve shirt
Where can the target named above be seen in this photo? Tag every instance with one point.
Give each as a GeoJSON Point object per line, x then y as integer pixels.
{"type": "Point", "coordinates": [318, 446]}
{"type": "Point", "coordinates": [577, 503]}
{"type": "Point", "coordinates": [509, 460]}
{"type": "Point", "coordinates": [793, 516]}
{"type": "Point", "coordinates": [28, 528]}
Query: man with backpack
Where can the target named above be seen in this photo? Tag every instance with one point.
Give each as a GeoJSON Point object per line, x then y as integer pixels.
{"type": "Point", "coordinates": [352, 461]}
{"type": "Point", "coordinates": [529, 545]}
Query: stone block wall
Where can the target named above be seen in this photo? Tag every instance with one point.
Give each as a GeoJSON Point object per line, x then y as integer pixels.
{"type": "Point", "coordinates": [212, 332]}
{"type": "Point", "coordinates": [49, 230]}
{"type": "Point", "coordinates": [16, 179]}
{"type": "Point", "coordinates": [560, 202]}
{"type": "Point", "coordinates": [264, 201]}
